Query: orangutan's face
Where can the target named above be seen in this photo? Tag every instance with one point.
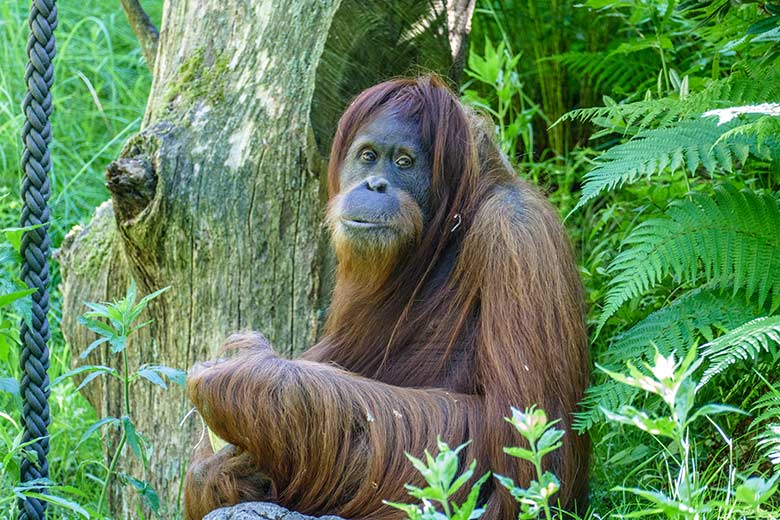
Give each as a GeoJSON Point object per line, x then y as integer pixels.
{"type": "Point", "coordinates": [386, 176]}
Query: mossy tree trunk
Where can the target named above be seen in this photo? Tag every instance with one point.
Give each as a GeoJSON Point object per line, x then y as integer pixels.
{"type": "Point", "coordinates": [221, 194]}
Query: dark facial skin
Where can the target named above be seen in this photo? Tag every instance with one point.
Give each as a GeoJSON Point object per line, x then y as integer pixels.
{"type": "Point", "coordinates": [384, 161]}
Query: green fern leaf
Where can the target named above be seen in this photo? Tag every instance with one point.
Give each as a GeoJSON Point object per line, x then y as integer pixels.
{"type": "Point", "coordinates": [730, 238]}
{"type": "Point", "coordinates": [767, 407]}
{"type": "Point", "coordinates": [744, 342]}
{"type": "Point", "coordinates": [741, 88]}
{"type": "Point", "coordinates": [688, 144]}
{"type": "Point", "coordinates": [765, 129]}
{"type": "Point", "coordinates": [767, 410]}
{"type": "Point", "coordinates": [674, 328]}
{"type": "Point", "coordinates": [608, 395]}
{"type": "Point", "coordinates": [670, 133]}
{"type": "Point", "coordinates": [768, 441]}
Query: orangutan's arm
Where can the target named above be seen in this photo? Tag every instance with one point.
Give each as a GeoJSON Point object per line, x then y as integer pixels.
{"type": "Point", "coordinates": [329, 440]}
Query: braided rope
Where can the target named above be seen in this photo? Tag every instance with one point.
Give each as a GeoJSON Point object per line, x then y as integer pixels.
{"type": "Point", "coordinates": [35, 250]}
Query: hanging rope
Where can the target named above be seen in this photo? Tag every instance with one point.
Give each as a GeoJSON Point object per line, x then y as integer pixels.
{"type": "Point", "coordinates": [36, 163]}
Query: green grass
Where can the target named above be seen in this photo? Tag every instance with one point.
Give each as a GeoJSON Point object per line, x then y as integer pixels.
{"type": "Point", "coordinates": [101, 85]}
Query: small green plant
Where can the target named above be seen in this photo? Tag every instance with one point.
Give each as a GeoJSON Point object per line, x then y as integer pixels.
{"type": "Point", "coordinates": [687, 497]}
{"type": "Point", "coordinates": [14, 307]}
{"type": "Point", "coordinates": [542, 439]}
{"type": "Point", "coordinates": [115, 323]}
{"type": "Point", "coordinates": [440, 474]}
{"type": "Point", "coordinates": [14, 302]}
{"type": "Point", "coordinates": [495, 72]}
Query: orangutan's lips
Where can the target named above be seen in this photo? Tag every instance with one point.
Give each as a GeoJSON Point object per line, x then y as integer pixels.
{"type": "Point", "coordinates": [363, 224]}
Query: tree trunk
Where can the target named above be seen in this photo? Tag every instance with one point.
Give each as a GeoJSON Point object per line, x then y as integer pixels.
{"type": "Point", "coordinates": [221, 194]}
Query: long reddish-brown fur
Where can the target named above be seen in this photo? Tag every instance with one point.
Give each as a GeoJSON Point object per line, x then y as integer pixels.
{"type": "Point", "coordinates": [483, 311]}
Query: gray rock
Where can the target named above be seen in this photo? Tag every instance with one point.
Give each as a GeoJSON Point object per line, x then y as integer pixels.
{"type": "Point", "coordinates": [260, 511]}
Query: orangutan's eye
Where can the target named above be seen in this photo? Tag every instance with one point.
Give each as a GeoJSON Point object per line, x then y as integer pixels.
{"type": "Point", "coordinates": [404, 162]}
{"type": "Point", "coordinates": [368, 155]}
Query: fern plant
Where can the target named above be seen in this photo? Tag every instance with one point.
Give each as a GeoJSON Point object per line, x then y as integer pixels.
{"type": "Point", "coordinates": [744, 342]}
{"type": "Point", "coordinates": [745, 86]}
{"type": "Point", "coordinates": [697, 315]}
{"type": "Point", "coordinates": [730, 237]}
{"type": "Point", "coordinates": [727, 243]}
{"type": "Point", "coordinates": [686, 146]}
{"type": "Point", "coordinates": [767, 410]}
{"type": "Point", "coordinates": [704, 269]}
{"type": "Point", "coordinates": [686, 135]}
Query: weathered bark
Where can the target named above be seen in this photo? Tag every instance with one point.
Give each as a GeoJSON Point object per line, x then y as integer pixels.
{"type": "Point", "coordinates": [221, 194]}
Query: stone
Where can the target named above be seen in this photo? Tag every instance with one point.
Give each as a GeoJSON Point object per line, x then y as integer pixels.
{"type": "Point", "coordinates": [260, 511]}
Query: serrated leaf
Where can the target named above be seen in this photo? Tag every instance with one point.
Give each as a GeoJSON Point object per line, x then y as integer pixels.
{"type": "Point", "coordinates": [132, 436]}
{"type": "Point", "coordinates": [147, 492]}
{"type": "Point", "coordinates": [151, 376]}
{"type": "Point", "coordinates": [96, 426]}
{"type": "Point", "coordinates": [92, 346]}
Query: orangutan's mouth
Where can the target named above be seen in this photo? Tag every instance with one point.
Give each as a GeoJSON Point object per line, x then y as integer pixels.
{"type": "Point", "coordinates": [364, 224]}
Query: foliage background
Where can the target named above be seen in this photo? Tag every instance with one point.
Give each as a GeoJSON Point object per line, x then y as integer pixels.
{"type": "Point", "coordinates": [674, 216]}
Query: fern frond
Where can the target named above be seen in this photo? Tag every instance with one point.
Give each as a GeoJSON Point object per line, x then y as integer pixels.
{"type": "Point", "coordinates": [745, 342]}
{"type": "Point", "coordinates": [731, 238]}
{"type": "Point", "coordinates": [768, 441]}
{"type": "Point", "coordinates": [765, 129]}
{"type": "Point", "coordinates": [609, 395]}
{"type": "Point", "coordinates": [741, 88]}
{"type": "Point", "coordinates": [639, 114]}
{"type": "Point", "coordinates": [612, 71]}
{"type": "Point", "coordinates": [674, 328]}
{"type": "Point", "coordinates": [767, 409]}
{"type": "Point", "coordinates": [671, 134]}
{"type": "Point", "coordinates": [688, 145]}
